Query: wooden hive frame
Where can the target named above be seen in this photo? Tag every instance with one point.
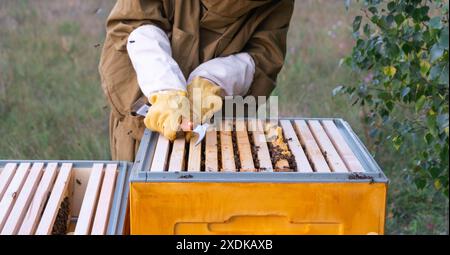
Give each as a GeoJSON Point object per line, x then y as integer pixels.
{"type": "Point", "coordinates": [242, 146]}
{"type": "Point", "coordinates": [39, 198]}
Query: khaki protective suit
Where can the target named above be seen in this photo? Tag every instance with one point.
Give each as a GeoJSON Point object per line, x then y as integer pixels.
{"type": "Point", "coordinates": [199, 30]}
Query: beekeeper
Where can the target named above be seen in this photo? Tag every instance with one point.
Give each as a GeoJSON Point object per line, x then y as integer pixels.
{"type": "Point", "coordinates": [164, 49]}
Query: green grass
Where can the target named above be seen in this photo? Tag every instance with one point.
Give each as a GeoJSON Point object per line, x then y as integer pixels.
{"type": "Point", "coordinates": [52, 105]}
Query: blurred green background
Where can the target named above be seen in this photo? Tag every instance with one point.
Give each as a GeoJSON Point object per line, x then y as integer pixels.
{"type": "Point", "coordinates": [52, 105]}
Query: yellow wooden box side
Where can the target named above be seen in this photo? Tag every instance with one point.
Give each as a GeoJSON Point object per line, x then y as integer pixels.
{"type": "Point", "coordinates": [257, 208]}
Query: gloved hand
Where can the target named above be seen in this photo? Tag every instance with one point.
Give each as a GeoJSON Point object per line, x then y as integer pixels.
{"type": "Point", "coordinates": [167, 111]}
{"type": "Point", "coordinates": [204, 99]}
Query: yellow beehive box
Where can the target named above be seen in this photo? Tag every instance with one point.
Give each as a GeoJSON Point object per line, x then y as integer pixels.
{"type": "Point", "coordinates": [235, 182]}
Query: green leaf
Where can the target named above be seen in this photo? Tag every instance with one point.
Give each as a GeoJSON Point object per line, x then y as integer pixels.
{"type": "Point", "coordinates": [437, 184]}
{"type": "Point", "coordinates": [442, 120]}
{"type": "Point", "coordinates": [405, 91]}
{"type": "Point", "coordinates": [435, 23]}
{"type": "Point", "coordinates": [436, 52]}
{"type": "Point", "coordinates": [389, 71]}
{"type": "Point", "coordinates": [443, 78]}
{"type": "Point", "coordinates": [390, 105]}
{"type": "Point", "coordinates": [420, 103]}
{"type": "Point", "coordinates": [435, 72]}
{"type": "Point", "coordinates": [439, 71]}
{"type": "Point", "coordinates": [367, 30]}
{"type": "Point", "coordinates": [424, 13]}
{"type": "Point", "coordinates": [407, 48]}
{"type": "Point", "coordinates": [392, 50]}
{"type": "Point", "coordinates": [424, 9]}
{"type": "Point", "coordinates": [417, 15]}
{"type": "Point", "coordinates": [409, 9]}
{"type": "Point", "coordinates": [399, 18]}
{"type": "Point", "coordinates": [435, 172]}
{"type": "Point", "coordinates": [424, 67]}
{"type": "Point", "coordinates": [357, 23]}
{"type": "Point", "coordinates": [420, 183]}
{"type": "Point", "coordinates": [428, 138]}
{"type": "Point", "coordinates": [443, 39]}
{"type": "Point", "coordinates": [389, 19]}
{"type": "Point", "coordinates": [432, 127]}
{"type": "Point", "coordinates": [398, 141]}
{"type": "Point", "coordinates": [391, 6]}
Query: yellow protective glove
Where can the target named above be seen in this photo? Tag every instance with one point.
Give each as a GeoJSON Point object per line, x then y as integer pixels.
{"type": "Point", "coordinates": [204, 99]}
{"type": "Point", "coordinates": [166, 113]}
